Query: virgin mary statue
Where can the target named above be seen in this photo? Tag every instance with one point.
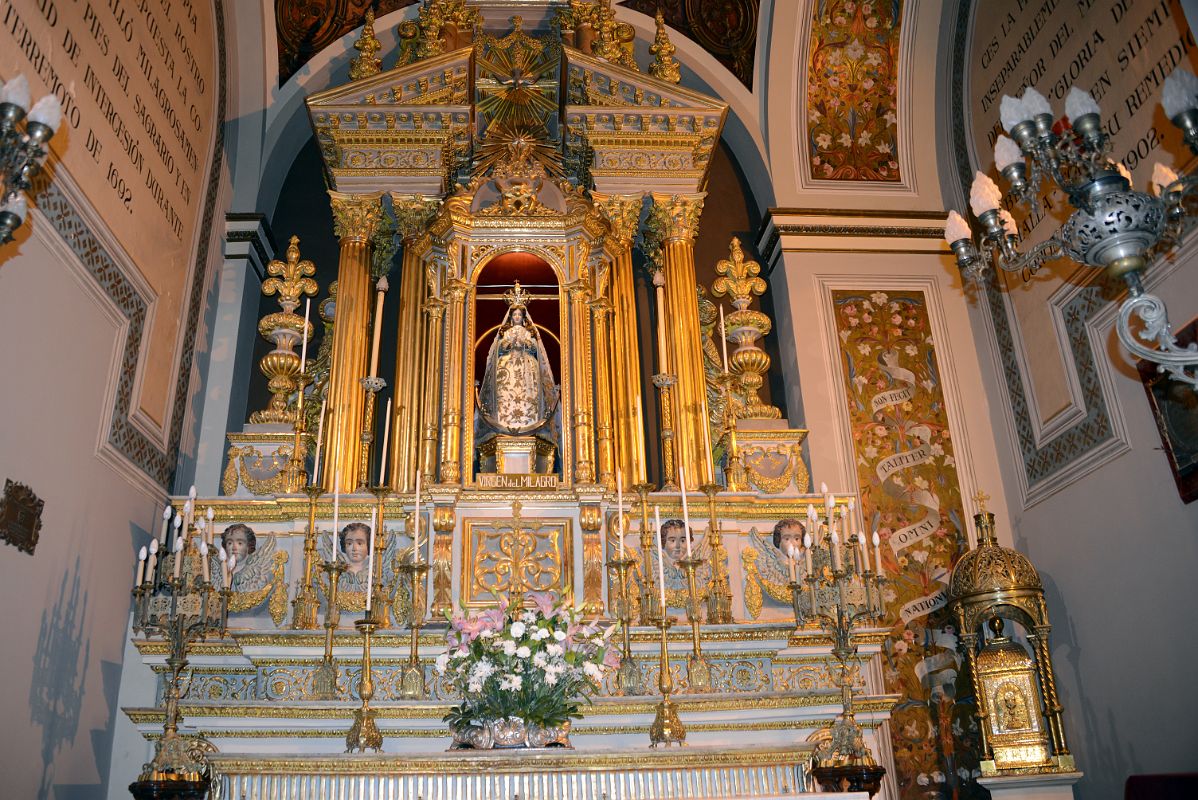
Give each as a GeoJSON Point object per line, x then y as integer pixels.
{"type": "Point", "coordinates": [517, 395]}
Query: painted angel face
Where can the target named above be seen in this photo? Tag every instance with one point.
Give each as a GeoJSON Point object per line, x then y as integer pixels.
{"type": "Point", "coordinates": [674, 543]}
{"type": "Point", "coordinates": [356, 548]}
{"type": "Point", "coordinates": [237, 544]}
{"type": "Point", "coordinates": [792, 539]}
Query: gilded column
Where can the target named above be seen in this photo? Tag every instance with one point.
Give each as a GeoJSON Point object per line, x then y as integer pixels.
{"type": "Point", "coordinates": [355, 218]}
{"type": "Point", "coordinates": [580, 371]}
{"type": "Point", "coordinates": [452, 366]}
{"type": "Point", "coordinates": [673, 223]}
{"type": "Point", "coordinates": [412, 214]}
{"type": "Point", "coordinates": [430, 381]}
{"type": "Point", "coordinates": [623, 213]}
{"type": "Point", "coordinates": [604, 446]}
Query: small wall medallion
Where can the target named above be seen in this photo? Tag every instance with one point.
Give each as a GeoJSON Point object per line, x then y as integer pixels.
{"type": "Point", "coordinates": [20, 516]}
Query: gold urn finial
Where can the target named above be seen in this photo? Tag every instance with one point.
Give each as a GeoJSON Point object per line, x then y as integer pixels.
{"type": "Point", "coordinates": [739, 278]}
{"type": "Point", "coordinates": [664, 67]}
{"type": "Point", "coordinates": [289, 280]}
{"type": "Point", "coordinates": [367, 62]}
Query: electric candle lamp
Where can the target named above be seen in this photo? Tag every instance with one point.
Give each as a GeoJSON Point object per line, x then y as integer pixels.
{"type": "Point", "coordinates": [835, 548]}
{"type": "Point", "coordinates": [204, 561]}
{"type": "Point", "coordinates": [661, 562]}
{"type": "Point", "coordinates": [790, 556]}
{"type": "Point", "coordinates": [178, 525]}
{"type": "Point", "coordinates": [141, 566]}
{"type": "Point", "coordinates": [152, 565]}
{"type": "Point", "coordinates": [224, 567]}
{"type": "Point", "coordinates": [877, 553]}
{"type": "Point", "coordinates": [178, 558]}
{"type": "Point", "coordinates": [232, 564]}
{"type": "Point", "coordinates": [166, 522]}
{"type": "Point", "coordinates": [211, 516]}
{"type": "Point", "coordinates": [807, 550]}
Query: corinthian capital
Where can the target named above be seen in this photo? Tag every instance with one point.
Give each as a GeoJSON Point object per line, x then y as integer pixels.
{"type": "Point", "coordinates": [623, 215]}
{"type": "Point", "coordinates": [413, 213]}
{"type": "Point", "coordinates": [675, 217]}
{"type": "Point", "coordinates": [355, 216]}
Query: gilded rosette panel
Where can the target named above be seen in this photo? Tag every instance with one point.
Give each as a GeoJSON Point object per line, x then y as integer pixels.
{"type": "Point", "coordinates": [530, 555]}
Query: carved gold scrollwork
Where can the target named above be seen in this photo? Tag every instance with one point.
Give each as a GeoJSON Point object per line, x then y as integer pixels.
{"type": "Point", "coordinates": [590, 519]}
{"type": "Point", "coordinates": [355, 216]}
{"type": "Point", "coordinates": [260, 473]}
{"type": "Point", "coordinates": [276, 590]}
{"type": "Point", "coordinates": [524, 555]}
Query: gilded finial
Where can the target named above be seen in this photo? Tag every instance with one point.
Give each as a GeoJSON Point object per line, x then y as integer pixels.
{"type": "Point", "coordinates": [664, 67]}
{"type": "Point", "coordinates": [981, 498]}
{"type": "Point", "coordinates": [367, 62]}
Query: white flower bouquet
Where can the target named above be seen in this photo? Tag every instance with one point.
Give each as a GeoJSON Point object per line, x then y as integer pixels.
{"type": "Point", "coordinates": [535, 667]}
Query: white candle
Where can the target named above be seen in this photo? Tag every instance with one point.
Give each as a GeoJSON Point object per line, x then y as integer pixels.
{"type": "Point", "coordinates": [211, 524]}
{"type": "Point", "coordinates": [178, 558]}
{"type": "Point", "coordinates": [835, 547]}
{"type": "Point", "coordinates": [178, 525]}
{"type": "Point", "coordinates": [141, 566]}
{"type": "Point", "coordinates": [864, 553]}
{"type": "Point", "coordinates": [877, 553]}
{"type": "Point", "coordinates": [807, 551]}
{"type": "Point", "coordinates": [790, 556]}
{"type": "Point", "coordinates": [232, 564]}
{"type": "Point", "coordinates": [152, 565]}
{"type": "Point", "coordinates": [620, 510]}
{"type": "Point", "coordinates": [190, 519]}
{"type": "Point", "coordinates": [224, 568]}
{"type": "Point", "coordinates": [166, 523]}
{"type": "Point", "coordinates": [662, 362]}
{"type": "Point", "coordinates": [378, 327]}
{"type": "Point", "coordinates": [416, 524]}
{"type": "Point", "coordinates": [204, 561]}
{"type": "Point", "coordinates": [383, 451]}
{"type": "Point", "coordinates": [686, 517]}
{"type": "Point", "coordinates": [336, 545]}
{"type": "Point", "coordinates": [187, 515]}
{"type": "Point", "coordinates": [319, 438]}
{"type": "Point", "coordinates": [374, 521]}
{"type": "Point", "coordinates": [661, 561]}
{"type": "Point", "coordinates": [724, 338]}
{"type": "Point", "coordinates": [304, 346]}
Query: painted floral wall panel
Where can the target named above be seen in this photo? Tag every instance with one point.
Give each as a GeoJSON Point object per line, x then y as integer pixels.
{"type": "Point", "coordinates": [852, 78]}
{"type": "Point", "coordinates": [910, 494]}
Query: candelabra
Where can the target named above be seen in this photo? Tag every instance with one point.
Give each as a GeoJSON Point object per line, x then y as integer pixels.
{"type": "Point", "coordinates": [1112, 227]}
{"type": "Point", "coordinates": [382, 604]}
{"type": "Point", "coordinates": [628, 676]}
{"type": "Point", "coordinates": [412, 685]}
{"type": "Point", "coordinates": [22, 152]}
{"type": "Point", "coordinates": [665, 389]}
{"type": "Point", "coordinates": [364, 734]}
{"type": "Point", "coordinates": [324, 682]}
{"type": "Point", "coordinates": [175, 598]}
{"type": "Point", "coordinates": [698, 671]}
{"type": "Point", "coordinates": [841, 590]}
{"type": "Point", "coordinates": [719, 599]}
{"type": "Point", "coordinates": [306, 604]}
{"type": "Point", "coordinates": [666, 726]}
{"type": "Point", "coordinates": [650, 613]}
{"type": "Point", "coordinates": [734, 467]}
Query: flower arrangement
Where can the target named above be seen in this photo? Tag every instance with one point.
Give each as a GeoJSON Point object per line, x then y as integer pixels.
{"type": "Point", "coordinates": [528, 669]}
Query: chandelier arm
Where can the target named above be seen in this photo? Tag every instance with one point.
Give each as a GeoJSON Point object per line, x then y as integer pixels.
{"type": "Point", "coordinates": [1180, 362]}
{"type": "Point", "coordinates": [1011, 260]}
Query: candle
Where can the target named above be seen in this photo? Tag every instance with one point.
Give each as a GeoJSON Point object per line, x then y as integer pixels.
{"type": "Point", "coordinates": [303, 359]}
{"type": "Point", "coordinates": [378, 326]}
{"type": "Point", "coordinates": [186, 515]}
{"type": "Point", "coordinates": [153, 563]}
{"type": "Point", "coordinates": [659, 282]}
{"type": "Point", "coordinates": [232, 564]}
{"type": "Point", "coordinates": [686, 517]}
{"type": "Point", "coordinates": [807, 551]}
{"type": "Point", "coordinates": [620, 510]}
{"type": "Point", "coordinates": [724, 338]}
{"type": "Point", "coordinates": [204, 561]}
{"type": "Point", "coordinates": [211, 532]}
{"type": "Point", "coordinates": [790, 556]}
{"type": "Point", "coordinates": [190, 517]}
{"type": "Point", "coordinates": [383, 451]}
{"type": "Point", "coordinates": [178, 558]}
{"type": "Point", "coordinates": [877, 553]}
{"type": "Point", "coordinates": [835, 547]}
{"type": "Point", "coordinates": [166, 523]}
{"type": "Point", "coordinates": [374, 521]}
{"type": "Point", "coordinates": [336, 546]}
{"type": "Point", "coordinates": [416, 524]}
{"type": "Point", "coordinates": [319, 438]}
{"type": "Point", "coordinates": [224, 567]}
{"type": "Point", "coordinates": [661, 569]}
{"type": "Point", "coordinates": [178, 525]}
{"type": "Point", "coordinates": [141, 566]}
{"type": "Point", "coordinates": [862, 551]}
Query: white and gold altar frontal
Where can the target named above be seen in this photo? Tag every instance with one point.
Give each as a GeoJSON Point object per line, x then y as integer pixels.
{"type": "Point", "coordinates": [514, 161]}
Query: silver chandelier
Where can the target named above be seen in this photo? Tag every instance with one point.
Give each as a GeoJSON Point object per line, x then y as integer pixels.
{"type": "Point", "coordinates": [1112, 227]}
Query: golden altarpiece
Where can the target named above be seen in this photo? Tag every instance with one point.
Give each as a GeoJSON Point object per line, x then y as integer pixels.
{"type": "Point", "coordinates": [493, 183]}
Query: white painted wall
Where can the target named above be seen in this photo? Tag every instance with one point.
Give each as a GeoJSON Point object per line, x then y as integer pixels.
{"type": "Point", "coordinates": [65, 608]}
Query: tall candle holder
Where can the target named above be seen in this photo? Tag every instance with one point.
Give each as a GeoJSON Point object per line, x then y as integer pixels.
{"type": "Point", "coordinates": [412, 685]}
{"type": "Point", "coordinates": [324, 682]}
{"type": "Point", "coordinates": [698, 669]}
{"type": "Point", "coordinates": [734, 468]}
{"type": "Point", "coordinates": [364, 733]}
{"type": "Point", "coordinates": [719, 599]}
{"type": "Point", "coordinates": [650, 608]}
{"type": "Point", "coordinates": [295, 476]}
{"type": "Point", "coordinates": [665, 388]}
{"type": "Point", "coordinates": [666, 727]}
{"type": "Point", "coordinates": [381, 600]}
{"type": "Point", "coordinates": [306, 604]}
{"type": "Point", "coordinates": [628, 677]}
{"type": "Point", "coordinates": [176, 600]}
{"type": "Point", "coordinates": [372, 385]}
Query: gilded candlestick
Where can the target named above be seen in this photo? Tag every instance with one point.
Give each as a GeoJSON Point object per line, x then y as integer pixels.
{"type": "Point", "coordinates": [698, 670]}
{"type": "Point", "coordinates": [628, 677]}
{"type": "Point", "coordinates": [666, 727]}
{"type": "Point", "coordinates": [372, 386]}
{"type": "Point", "coordinates": [382, 598]}
{"type": "Point", "coordinates": [306, 603]}
{"type": "Point", "coordinates": [650, 613]}
{"type": "Point", "coordinates": [734, 468]}
{"type": "Point", "coordinates": [719, 599]}
{"type": "Point", "coordinates": [364, 734]}
{"type": "Point", "coordinates": [296, 477]}
{"type": "Point", "coordinates": [665, 388]}
{"type": "Point", "coordinates": [412, 685]}
{"type": "Point", "coordinates": [324, 682]}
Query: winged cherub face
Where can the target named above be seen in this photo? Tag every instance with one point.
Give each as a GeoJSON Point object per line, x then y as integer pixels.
{"type": "Point", "coordinates": [356, 549]}
{"type": "Point", "coordinates": [237, 544]}
{"type": "Point", "coordinates": [673, 540]}
{"type": "Point", "coordinates": [791, 537]}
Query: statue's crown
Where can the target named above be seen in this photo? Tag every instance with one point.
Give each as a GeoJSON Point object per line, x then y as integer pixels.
{"type": "Point", "coordinates": [516, 297]}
